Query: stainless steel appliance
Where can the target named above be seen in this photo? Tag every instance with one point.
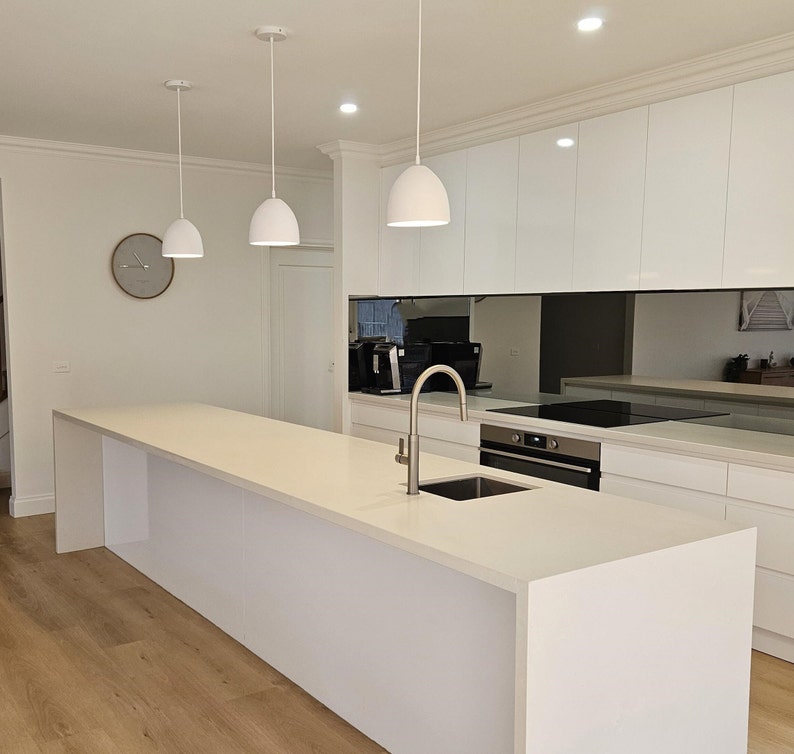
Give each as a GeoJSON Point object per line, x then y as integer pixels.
{"type": "Point", "coordinates": [396, 368]}
{"type": "Point", "coordinates": [558, 459]}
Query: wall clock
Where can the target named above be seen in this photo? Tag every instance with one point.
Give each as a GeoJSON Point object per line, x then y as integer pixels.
{"type": "Point", "coordinates": [139, 267]}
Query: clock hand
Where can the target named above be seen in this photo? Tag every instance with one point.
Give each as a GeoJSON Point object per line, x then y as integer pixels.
{"type": "Point", "coordinates": [145, 266]}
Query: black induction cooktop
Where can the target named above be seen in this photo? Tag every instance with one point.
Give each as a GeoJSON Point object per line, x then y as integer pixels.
{"type": "Point", "coordinates": [606, 413]}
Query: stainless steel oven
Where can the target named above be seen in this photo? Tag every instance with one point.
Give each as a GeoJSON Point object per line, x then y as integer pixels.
{"type": "Point", "coordinates": [559, 459]}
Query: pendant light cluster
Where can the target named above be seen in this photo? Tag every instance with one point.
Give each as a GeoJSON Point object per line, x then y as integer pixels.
{"type": "Point", "coordinates": [417, 198]}
{"type": "Point", "coordinates": [182, 238]}
{"type": "Point", "coordinates": [273, 223]}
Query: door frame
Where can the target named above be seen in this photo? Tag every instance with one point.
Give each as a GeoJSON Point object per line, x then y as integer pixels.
{"type": "Point", "coordinates": [305, 256]}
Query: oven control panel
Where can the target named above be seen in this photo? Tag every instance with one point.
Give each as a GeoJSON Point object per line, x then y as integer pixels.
{"type": "Point", "coordinates": [515, 438]}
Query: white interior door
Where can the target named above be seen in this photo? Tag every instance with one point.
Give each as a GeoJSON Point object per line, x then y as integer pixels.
{"type": "Point", "coordinates": [301, 321]}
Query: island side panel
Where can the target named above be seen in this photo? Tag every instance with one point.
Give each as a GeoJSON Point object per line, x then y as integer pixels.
{"type": "Point", "coordinates": [650, 653]}
{"type": "Point", "coordinates": [417, 656]}
{"type": "Point", "coordinates": [181, 528]}
{"type": "Point", "coordinates": [79, 496]}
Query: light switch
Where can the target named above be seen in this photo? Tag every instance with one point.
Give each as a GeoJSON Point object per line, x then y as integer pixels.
{"type": "Point", "coordinates": [61, 366]}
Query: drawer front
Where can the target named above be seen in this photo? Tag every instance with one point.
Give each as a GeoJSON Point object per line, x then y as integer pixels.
{"type": "Point", "coordinates": [703, 475]}
{"type": "Point", "coordinates": [775, 535]}
{"type": "Point", "coordinates": [680, 401]}
{"type": "Point", "coordinates": [397, 420]}
{"type": "Point", "coordinates": [761, 485]}
{"type": "Point", "coordinates": [649, 399]}
{"type": "Point", "coordinates": [426, 445]}
{"type": "Point", "coordinates": [590, 393]}
{"type": "Point", "coordinates": [731, 407]}
{"type": "Point", "coordinates": [774, 603]}
{"type": "Point", "coordinates": [659, 494]}
{"type": "Point", "coordinates": [777, 412]}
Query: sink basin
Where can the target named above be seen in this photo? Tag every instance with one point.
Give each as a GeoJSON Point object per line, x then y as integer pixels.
{"type": "Point", "coordinates": [472, 487]}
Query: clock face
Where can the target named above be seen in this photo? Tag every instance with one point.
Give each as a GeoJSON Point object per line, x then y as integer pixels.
{"type": "Point", "coordinates": [139, 267]}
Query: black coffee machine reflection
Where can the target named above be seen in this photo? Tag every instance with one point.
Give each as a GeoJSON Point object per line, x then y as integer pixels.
{"type": "Point", "coordinates": [393, 368]}
{"type": "Point", "coordinates": [360, 375]}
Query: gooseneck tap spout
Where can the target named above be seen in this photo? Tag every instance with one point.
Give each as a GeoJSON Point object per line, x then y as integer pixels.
{"type": "Point", "coordinates": [411, 458]}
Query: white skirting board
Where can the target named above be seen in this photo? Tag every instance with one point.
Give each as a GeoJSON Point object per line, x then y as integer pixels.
{"type": "Point", "coordinates": [32, 505]}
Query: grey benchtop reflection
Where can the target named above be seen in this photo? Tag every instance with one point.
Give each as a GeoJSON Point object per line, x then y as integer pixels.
{"type": "Point", "coordinates": [748, 423]}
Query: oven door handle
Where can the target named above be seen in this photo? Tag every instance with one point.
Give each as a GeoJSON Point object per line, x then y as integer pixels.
{"type": "Point", "coordinates": [540, 461]}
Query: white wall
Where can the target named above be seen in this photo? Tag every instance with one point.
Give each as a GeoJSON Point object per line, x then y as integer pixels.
{"type": "Point", "coordinates": [503, 323]}
{"type": "Point", "coordinates": [692, 335]}
{"type": "Point", "coordinates": [204, 339]}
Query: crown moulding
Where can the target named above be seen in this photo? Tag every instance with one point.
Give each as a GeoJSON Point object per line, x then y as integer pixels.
{"type": "Point", "coordinates": [756, 60]}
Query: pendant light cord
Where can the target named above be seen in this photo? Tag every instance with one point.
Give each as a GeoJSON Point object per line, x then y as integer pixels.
{"type": "Point", "coordinates": [179, 129]}
{"type": "Point", "coordinates": [418, 82]}
{"type": "Point", "coordinates": [272, 125]}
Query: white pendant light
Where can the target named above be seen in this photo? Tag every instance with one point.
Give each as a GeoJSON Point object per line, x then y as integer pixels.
{"type": "Point", "coordinates": [182, 238]}
{"type": "Point", "coordinates": [417, 198]}
{"type": "Point", "coordinates": [273, 223]}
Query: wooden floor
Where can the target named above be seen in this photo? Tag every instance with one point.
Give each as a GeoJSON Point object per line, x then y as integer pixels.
{"type": "Point", "coordinates": [95, 658]}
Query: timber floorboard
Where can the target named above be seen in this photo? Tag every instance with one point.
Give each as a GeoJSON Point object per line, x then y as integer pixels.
{"type": "Point", "coordinates": [96, 658]}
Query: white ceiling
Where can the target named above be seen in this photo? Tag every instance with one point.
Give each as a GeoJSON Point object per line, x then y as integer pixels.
{"type": "Point", "coordinates": [91, 71]}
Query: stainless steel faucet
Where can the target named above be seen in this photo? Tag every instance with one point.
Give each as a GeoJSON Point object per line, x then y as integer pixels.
{"type": "Point", "coordinates": [411, 458]}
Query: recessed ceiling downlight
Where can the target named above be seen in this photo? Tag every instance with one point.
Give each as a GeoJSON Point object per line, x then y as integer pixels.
{"type": "Point", "coordinates": [348, 107]}
{"type": "Point", "coordinates": [590, 24]}
{"type": "Point", "coordinates": [565, 142]}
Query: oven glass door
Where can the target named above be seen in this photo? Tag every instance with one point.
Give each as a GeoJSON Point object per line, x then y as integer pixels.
{"type": "Point", "coordinates": [573, 471]}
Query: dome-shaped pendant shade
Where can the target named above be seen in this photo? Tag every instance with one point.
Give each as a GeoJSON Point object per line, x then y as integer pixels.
{"type": "Point", "coordinates": [417, 198]}
{"type": "Point", "coordinates": [274, 224]}
{"type": "Point", "coordinates": [182, 239]}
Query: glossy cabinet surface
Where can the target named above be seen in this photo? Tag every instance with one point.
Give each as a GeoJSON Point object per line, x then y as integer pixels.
{"type": "Point", "coordinates": [609, 198]}
{"type": "Point", "coordinates": [686, 182]}
{"type": "Point", "coordinates": [398, 261]}
{"type": "Point", "coordinates": [691, 193]}
{"type": "Point", "coordinates": [491, 197]}
{"type": "Point", "coordinates": [441, 248]}
{"type": "Point", "coordinates": [760, 223]}
{"type": "Point", "coordinates": [546, 207]}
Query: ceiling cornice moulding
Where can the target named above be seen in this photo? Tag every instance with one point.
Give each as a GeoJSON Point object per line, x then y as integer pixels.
{"type": "Point", "coordinates": [732, 66]}
{"type": "Point", "coordinates": [116, 154]}
{"type": "Point", "coordinates": [342, 148]}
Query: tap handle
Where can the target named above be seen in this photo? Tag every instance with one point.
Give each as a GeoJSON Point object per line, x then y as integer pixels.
{"type": "Point", "coordinates": [401, 456]}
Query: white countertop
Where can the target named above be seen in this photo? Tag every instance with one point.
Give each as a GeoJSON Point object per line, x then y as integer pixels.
{"type": "Point", "coordinates": [771, 394]}
{"type": "Point", "coordinates": [507, 540]}
{"type": "Point", "coordinates": [766, 449]}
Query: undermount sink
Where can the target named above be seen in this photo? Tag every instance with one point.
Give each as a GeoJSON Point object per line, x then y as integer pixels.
{"type": "Point", "coordinates": [472, 487]}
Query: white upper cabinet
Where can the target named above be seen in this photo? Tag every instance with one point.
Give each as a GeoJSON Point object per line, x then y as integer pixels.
{"type": "Point", "coordinates": [491, 197]}
{"type": "Point", "coordinates": [441, 247]}
{"type": "Point", "coordinates": [398, 261]}
{"type": "Point", "coordinates": [546, 205]}
{"type": "Point", "coordinates": [686, 183]}
{"type": "Point", "coordinates": [759, 231]}
{"type": "Point", "coordinates": [609, 200]}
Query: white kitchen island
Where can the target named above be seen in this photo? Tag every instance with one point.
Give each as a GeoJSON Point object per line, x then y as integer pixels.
{"type": "Point", "coordinates": [550, 620]}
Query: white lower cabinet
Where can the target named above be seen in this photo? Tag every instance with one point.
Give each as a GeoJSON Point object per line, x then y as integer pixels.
{"type": "Point", "coordinates": [745, 495]}
{"type": "Point", "coordinates": [443, 436]}
{"type": "Point", "coordinates": [762, 485]}
{"type": "Point", "coordinates": [710, 506]}
{"type": "Point", "coordinates": [687, 472]}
